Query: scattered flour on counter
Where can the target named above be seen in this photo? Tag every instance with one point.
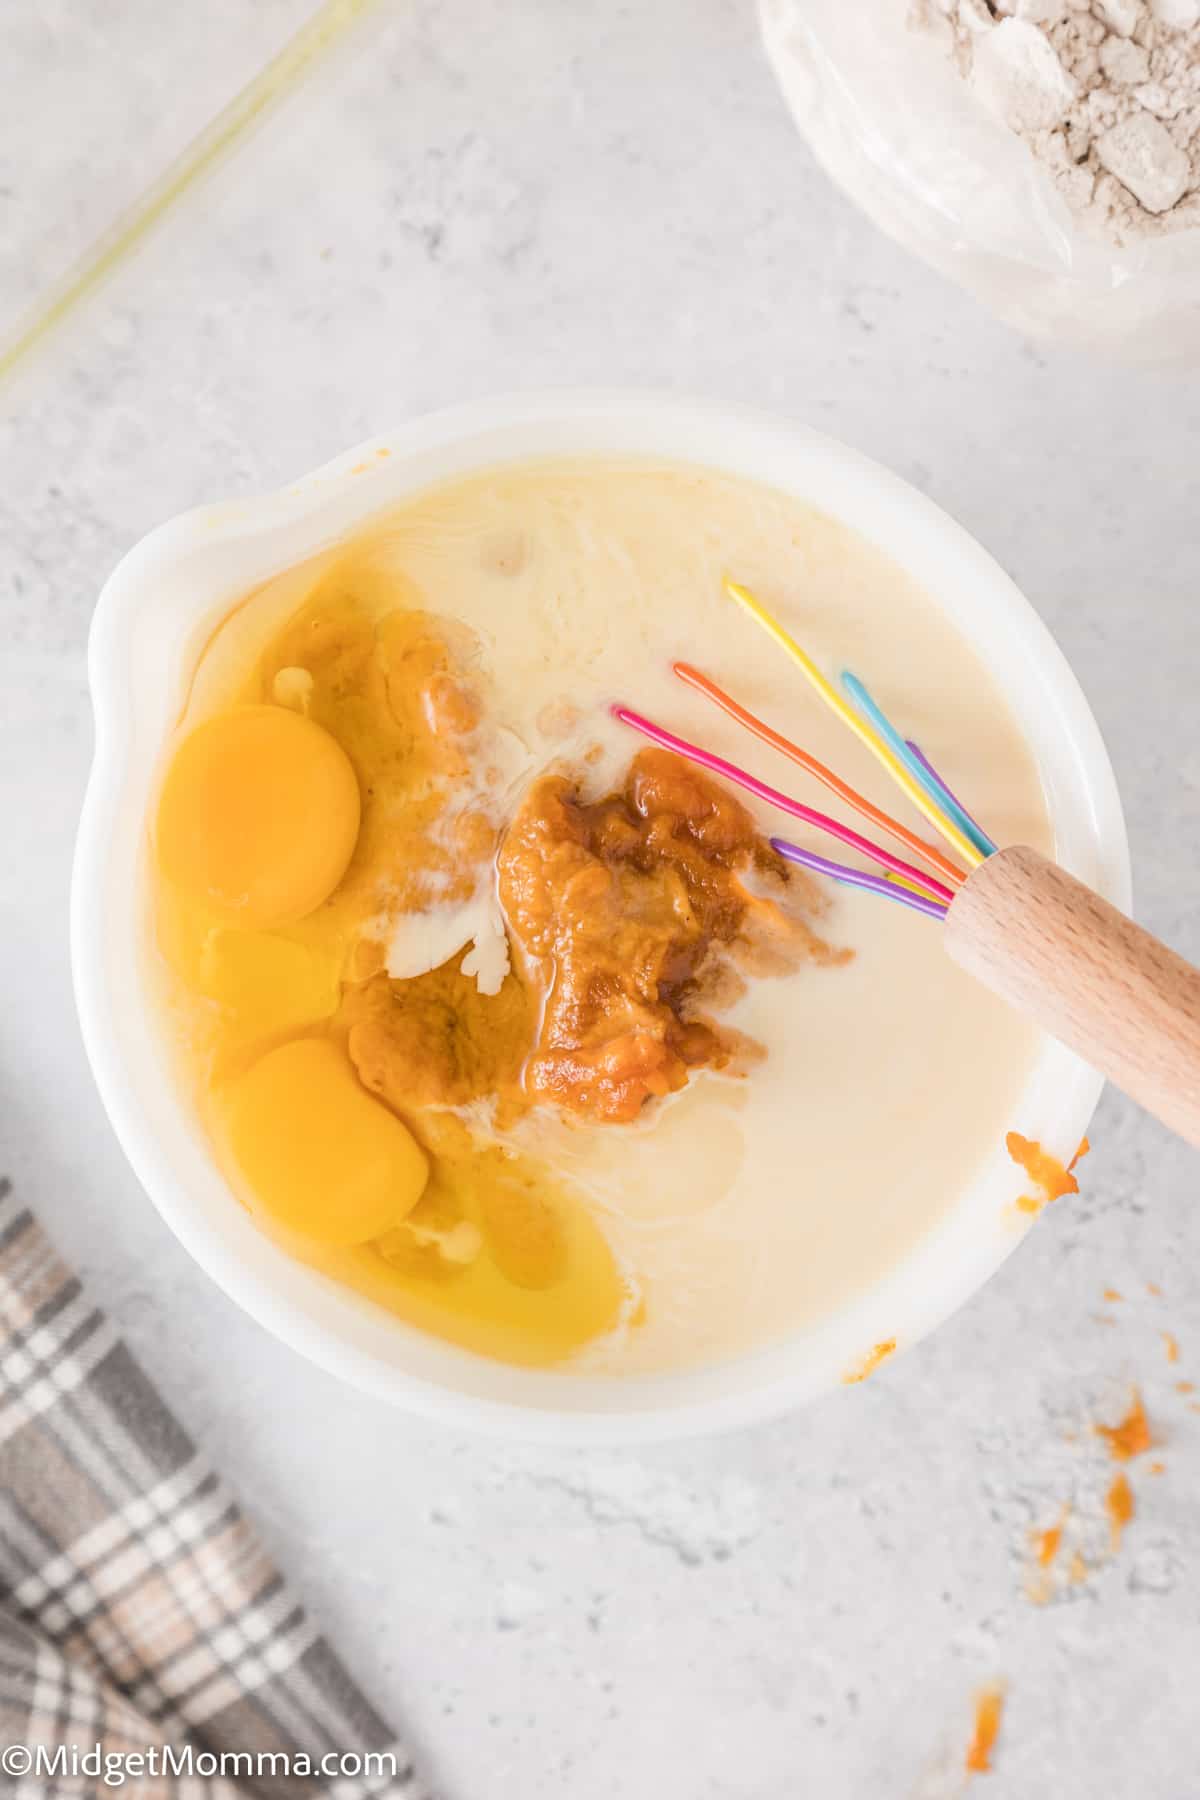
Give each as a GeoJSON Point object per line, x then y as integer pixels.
{"type": "Point", "coordinates": [517, 1605]}
{"type": "Point", "coordinates": [1106, 93]}
{"type": "Point", "coordinates": [696, 1527]}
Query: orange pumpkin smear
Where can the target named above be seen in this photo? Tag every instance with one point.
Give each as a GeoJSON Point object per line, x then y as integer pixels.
{"type": "Point", "coordinates": [1131, 1436]}
{"type": "Point", "coordinates": [1120, 1507]}
{"type": "Point", "coordinates": [989, 1711]}
{"type": "Point", "coordinates": [1044, 1170]}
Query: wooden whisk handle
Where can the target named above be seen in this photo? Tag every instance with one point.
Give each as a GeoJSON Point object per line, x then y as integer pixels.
{"type": "Point", "coordinates": [1089, 976]}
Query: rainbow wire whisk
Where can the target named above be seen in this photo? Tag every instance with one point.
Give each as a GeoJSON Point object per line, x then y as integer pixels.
{"type": "Point", "coordinates": [1023, 927]}
{"type": "Point", "coordinates": [908, 766]}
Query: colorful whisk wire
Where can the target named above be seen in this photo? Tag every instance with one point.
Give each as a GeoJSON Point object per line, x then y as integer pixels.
{"type": "Point", "coordinates": [938, 787]}
{"type": "Point", "coordinates": [919, 765]}
{"type": "Point", "coordinates": [903, 759]}
{"type": "Point", "coordinates": [874, 884]}
{"type": "Point", "coordinates": [928, 885]}
{"type": "Point", "coordinates": [766, 733]}
{"type": "Point", "coordinates": [896, 766]}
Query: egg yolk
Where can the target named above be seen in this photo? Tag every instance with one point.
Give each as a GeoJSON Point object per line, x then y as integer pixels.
{"type": "Point", "coordinates": [320, 1157]}
{"type": "Point", "coordinates": [265, 985]}
{"type": "Point", "coordinates": [259, 815]}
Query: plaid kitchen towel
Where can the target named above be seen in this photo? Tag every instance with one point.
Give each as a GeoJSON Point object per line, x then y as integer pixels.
{"type": "Point", "coordinates": [139, 1616]}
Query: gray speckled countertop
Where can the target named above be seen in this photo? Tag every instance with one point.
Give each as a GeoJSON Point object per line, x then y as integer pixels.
{"type": "Point", "coordinates": [475, 196]}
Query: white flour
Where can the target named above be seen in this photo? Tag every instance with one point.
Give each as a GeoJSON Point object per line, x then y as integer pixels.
{"type": "Point", "coordinates": [1106, 93]}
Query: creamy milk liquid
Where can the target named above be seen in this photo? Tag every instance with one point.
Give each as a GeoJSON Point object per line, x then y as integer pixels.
{"type": "Point", "coordinates": [747, 1205]}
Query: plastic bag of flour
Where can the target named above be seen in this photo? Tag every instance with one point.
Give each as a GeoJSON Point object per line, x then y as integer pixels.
{"type": "Point", "coordinates": [875, 88]}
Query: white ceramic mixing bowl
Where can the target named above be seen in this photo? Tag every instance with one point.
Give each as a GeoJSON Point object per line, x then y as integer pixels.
{"type": "Point", "coordinates": [151, 618]}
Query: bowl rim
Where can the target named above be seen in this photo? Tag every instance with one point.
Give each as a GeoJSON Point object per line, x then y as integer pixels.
{"type": "Point", "coordinates": [443, 1384]}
